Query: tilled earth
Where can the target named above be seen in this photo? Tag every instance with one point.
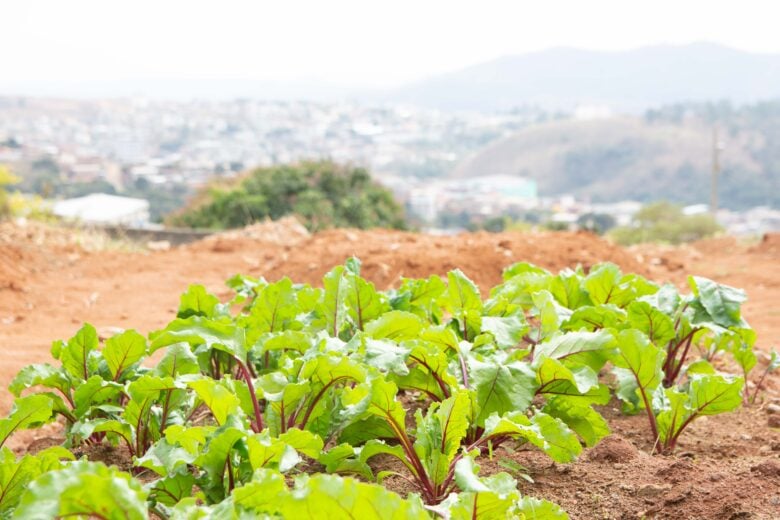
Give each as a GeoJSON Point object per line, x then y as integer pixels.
{"type": "Point", "coordinates": [725, 467]}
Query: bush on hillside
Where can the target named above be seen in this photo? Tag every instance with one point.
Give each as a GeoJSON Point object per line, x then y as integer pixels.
{"type": "Point", "coordinates": [322, 194]}
{"type": "Point", "coordinates": [6, 179]}
{"type": "Point", "coordinates": [665, 222]}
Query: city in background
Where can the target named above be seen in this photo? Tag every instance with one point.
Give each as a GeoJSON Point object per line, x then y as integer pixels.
{"type": "Point", "coordinates": [163, 152]}
{"type": "Point", "coordinates": [517, 120]}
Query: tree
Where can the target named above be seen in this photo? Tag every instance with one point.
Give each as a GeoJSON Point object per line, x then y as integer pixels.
{"type": "Point", "coordinates": [598, 223]}
{"type": "Point", "coordinates": [322, 193]}
{"type": "Point", "coordinates": [665, 222]}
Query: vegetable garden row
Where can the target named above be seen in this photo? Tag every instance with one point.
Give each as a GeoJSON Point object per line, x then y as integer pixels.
{"type": "Point", "coordinates": [288, 401]}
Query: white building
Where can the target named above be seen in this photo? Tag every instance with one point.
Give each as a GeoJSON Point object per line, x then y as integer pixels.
{"type": "Point", "coordinates": [102, 209]}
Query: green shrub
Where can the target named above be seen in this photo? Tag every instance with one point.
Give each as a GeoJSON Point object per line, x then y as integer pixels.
{"type": "Point", "coordinates": [322, 193]}
{"type": "Point", "coordinates": [665, 222]}
{"type": "Point", "coordinates": [6, 179]}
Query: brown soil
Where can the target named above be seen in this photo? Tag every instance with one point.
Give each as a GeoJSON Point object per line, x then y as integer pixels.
{"type": "Point", "coordinates": [725, 467]}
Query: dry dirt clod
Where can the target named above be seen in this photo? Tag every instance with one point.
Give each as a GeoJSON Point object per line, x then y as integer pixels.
{"type": "Point", "coordinates": [768, 468]}
{"type": "Point", "coordinates": [773, 409]}
{"type": "Point", "coordinates": [678, 497]}
{"type": "Point", "coordinates": [773, 421]}
{"type": "Point", "coordinates": [613, 449]}
{"type": "Point", "coordinates": [652, 490]}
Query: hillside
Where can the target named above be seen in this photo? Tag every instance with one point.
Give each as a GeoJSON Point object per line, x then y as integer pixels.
{"type": "Point", "coordinates": [563, 78]}
{"type": "Point", "coordinates": [644, 159]}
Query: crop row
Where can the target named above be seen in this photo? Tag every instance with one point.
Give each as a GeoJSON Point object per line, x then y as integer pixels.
{"type": "Point", "coordinates": [289, 400]}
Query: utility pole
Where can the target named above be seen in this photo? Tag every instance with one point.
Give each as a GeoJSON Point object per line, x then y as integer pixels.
{"type": "Point", "coordinates": [716, 147]}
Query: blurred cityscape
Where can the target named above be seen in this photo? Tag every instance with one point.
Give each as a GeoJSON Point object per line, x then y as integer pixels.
{"type": "Point", "coordinates": [158, 153]}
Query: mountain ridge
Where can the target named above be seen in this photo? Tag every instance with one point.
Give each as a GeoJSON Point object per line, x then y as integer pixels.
{"type": "Point", "coordinates": [561, 78]}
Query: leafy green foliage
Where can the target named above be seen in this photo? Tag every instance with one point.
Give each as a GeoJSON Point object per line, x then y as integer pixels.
{"type": "Point", "coordinates": [244, 396]}
{"type": "Point", "coordinates": [322, 194]}
{"type": "Point", "coordinates": [86, 489]}
{"type": "Point", "coordinates": [665, 222]}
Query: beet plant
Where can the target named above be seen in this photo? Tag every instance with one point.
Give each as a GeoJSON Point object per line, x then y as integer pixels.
{"type": "Point", "coordinates": [239, 409]}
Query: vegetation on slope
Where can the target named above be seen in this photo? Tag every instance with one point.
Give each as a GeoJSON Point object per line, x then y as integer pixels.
{"type": "Point", "coordinates": [666, 155]}
{"type": "Point", "coordinates": [665, 222]}
{"type": "Point", "coordinates": [322, 193]}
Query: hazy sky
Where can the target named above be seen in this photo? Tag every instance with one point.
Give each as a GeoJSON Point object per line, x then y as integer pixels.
{"type": "Point", "coordinates": [348, 42]}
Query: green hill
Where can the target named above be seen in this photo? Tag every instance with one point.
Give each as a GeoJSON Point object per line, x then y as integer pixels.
{"type": "Point", "coordinates": [667, 154]}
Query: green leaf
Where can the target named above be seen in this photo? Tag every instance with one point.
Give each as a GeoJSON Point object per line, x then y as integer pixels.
{"type": "Point", "coordinates": [169, 491]}
{"type": "Point", "coordinates": [500, 387]}
{"type": "Point", "coordinates": [547, 433]}
{"type": "Point", "coordinates": [566, 287]}
{"type": "Point", "coordinates": [15, 475]}
{"type": "Point", "coordinates": [282, 452]}
{"type": "Point", "coordinates": [706, 395]}
{"type": "Point", "coordinates": [219, 399]}
{"type": "Point", "coordinates": [642, 362]}
{"type": "Point", "coordinates": [124, 350]}
{"type": "Point", "coordinates": [333, 306]}
{"type": "Point", "coordinates": [443, 337]}
{"type": "Point", "coordinates": [385, 355]}
{"type": "Point", "coordinates": [178, 360]}
{"type": "Point", "coordinates": [197, 302]}
{"type": "Point", "coordinates": [213, 460]}
{"type": "Point", "coordinates": [584, 420]}
{"type": "Point", "coordinates": [774, 361]}
{"type": "Point", "coordinates": [549, 313]}
{"type": "Point", "coordinates": [263, 493]}
{"type": "Point", "coordinates": [602, 281]}
{"type": "Point", "coordinates": [593, 318]}
{"type": "Point", "coordinates": [308, 443]}
{"type": "Point", "coordinates": [27, 412]}
{"type": "Point", "coordinates": [507, 330]}
{"type": "Point", "coordinates": [606, 284]}
{"type": "Point", "coordinates": [578, 348]}
{"type": "Point", "coordinates": [341, 459]}
{"type": "Point", "coordinates": [274, 309]}
{"type": "Point", "coordinates": [40, 375]}
{"type": "Point", "coordinates": [536, 509]}
{"type": "Point", "coordinates": [335, 497]}
{"type": "Point", "coordinates": [288, 340]}
{"type": "Point", "coordinates": [395, 325]}
{"type": "Point", "coordinates": [440, 432]}
{"type": "Point", "coordinates": [92, 392]}
{"type": "Point", "coordinates": [202, 332]}
{"type": "Point", "coordinates": [75, 354]}
{"type": "Point", "coordinates": [376, 447]}
{"type": "Point", "coordinates": [381, 402]}
{"type": "Point", "coordinates": [328, 375]}
{"type": "Point", "coordinates": [554, 378]}
{"type": "Point", "coordinates": [657, 325]}
{"type": "Point", "coordinates": [167, 457]}
{"type": "Point", "coordinates": [364, 302]}
{"type": "Point", "coordinates": [14, 478]}
{"type": "Point", "coordinates": [430, 372]}
{"type": "Point", "coordinates": [722, 302]}
{"type": "Point", "coordinates": [86, 489]}
{"type": "Point", "coordinates": [421, 297]}
{"type": "Point", "coordinates": [482, 498]}
{"type": "Point", "coordinates": [463, 301]}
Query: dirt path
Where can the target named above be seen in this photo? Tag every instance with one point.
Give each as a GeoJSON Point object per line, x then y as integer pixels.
{"type": "Point", "coordinates": [727, 468]}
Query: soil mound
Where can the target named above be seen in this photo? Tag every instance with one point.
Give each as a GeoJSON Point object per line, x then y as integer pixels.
{"type": "Point", "coordinates": [769, 245]}
{"type": "Point", "coordinates": [613, 449]}
{"type": "Point", "coordinates": [388, 255]}
{"type": "Point", "coordinates": [285, 231]}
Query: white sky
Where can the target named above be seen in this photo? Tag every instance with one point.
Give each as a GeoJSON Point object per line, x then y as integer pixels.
{"type": "Point", "coordinates": [347, 42]}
